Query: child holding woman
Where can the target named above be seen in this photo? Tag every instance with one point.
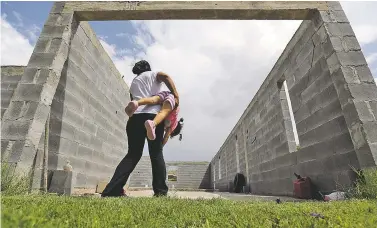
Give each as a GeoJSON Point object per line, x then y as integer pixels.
{"type": "Point", "coordinates": [169, 113]}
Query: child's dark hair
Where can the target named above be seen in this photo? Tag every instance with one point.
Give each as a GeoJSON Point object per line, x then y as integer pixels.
{"type": "Point", "coordinates": [177, 130]}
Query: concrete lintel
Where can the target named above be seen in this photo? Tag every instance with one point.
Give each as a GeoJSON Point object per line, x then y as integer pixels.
{"type": "Point", "coordinates": [158, 10]}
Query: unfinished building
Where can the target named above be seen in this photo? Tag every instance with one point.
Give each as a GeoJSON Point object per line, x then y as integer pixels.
{"type": "Point", "coordinates": [69, 76]}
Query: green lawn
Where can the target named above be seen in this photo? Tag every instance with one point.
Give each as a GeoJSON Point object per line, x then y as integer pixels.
{"type": "Point", "coordinates": [54, 211]}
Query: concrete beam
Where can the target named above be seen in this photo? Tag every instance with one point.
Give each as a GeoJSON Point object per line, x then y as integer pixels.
{"type": "Point", "coordinates": [158, 10]}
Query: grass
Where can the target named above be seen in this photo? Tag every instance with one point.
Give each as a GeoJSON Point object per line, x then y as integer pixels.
{"type": "Point", "coordinates": [366, 186]}
{"type": "Point", "coordinates": [55, 211]}
{"type": "Point", "coordinates": [13, 183]}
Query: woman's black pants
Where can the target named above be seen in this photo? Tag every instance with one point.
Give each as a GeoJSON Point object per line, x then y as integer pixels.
{"type": "Point", "coordinates": [137, 134]}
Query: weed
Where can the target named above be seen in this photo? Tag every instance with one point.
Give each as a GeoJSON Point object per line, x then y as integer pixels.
{"type": "Point", "coordinates": [13, 183]}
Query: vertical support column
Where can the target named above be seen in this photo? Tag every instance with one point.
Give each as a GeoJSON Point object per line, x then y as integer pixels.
{"type": "Point", "coordinates": [245, 151]}
{"type": "Point", "coordinates": [214, 175]}
{"type": "Point", "coordinates": [353, 81]}
{"type": "Point", "coordinates": [237, 156]}
{"type": "Point", "coordinates": [24, 120]}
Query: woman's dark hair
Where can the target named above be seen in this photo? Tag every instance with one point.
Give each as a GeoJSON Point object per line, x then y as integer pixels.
{"type": "Point", "coordinates": [141, 67]}
{"type": "Point", "coordinates": [177, 130]}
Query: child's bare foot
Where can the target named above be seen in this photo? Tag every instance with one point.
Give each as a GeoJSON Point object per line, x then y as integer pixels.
{"type": "Point", "coordinates": [131, 108]}
{"type": "Point", "coordinates": [151, 127]}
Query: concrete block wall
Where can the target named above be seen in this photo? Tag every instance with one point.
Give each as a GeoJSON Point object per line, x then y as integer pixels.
{"type": "Point", "coordinates": [142, 175]}
{"type": "Point", "coordinates": [190, 175]}
{"type": "Point", "coordinates": [87, 119]}
{"type": "Point", "coordinates": [332, 94]}
{"type": "Point", "coordinates": [87, 122]}
{"type": "Point", "coordinates": [23, 122]}
{"type": "Point", "coordinates": [10, 77]}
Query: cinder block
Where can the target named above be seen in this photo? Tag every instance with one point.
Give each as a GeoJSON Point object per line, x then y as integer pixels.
{"type": "Point", "coordinates": [339, 29]}
{"type": "Point", "coordinates": [60, 91]}
{"type": "Point", "coordinates": [350, 44]}
{"type": "Point", "coordinates": [333, 62]}
{"type": "Point", "coordinates": [351, 58]}
{"type": "Point", "coordinates": [373, 107]}
{"type": "Point", "coordinates": [305, 52]}
{"type": "Point", "coordinates": [363, 92]}
{"type": "Point", "coordinates": [60, 145]}
{"type": "Point", "coordinates": [364, 74]}
{"type": "Point", "coordinates": [62, 182]}
{"type": "Point", "coordinates": [81, 180]}
{"type": "Point", "coordinates": [64, 129]}
{"type": "Point", "coordinates": [74, 118]}
{"type": "Point", "coordinates": [75, 60]}
{"type": "Point", "coordinates": [357, 112]}
{"type": "Point", "coordinates": [42, 44]}
{"type": "Point", "coordinates": [319, 36]}
{"type": "Point", "coordinates": [370, 129]}
{"type": "Point", "coordinates": [85, 153]}
{"type": "Point", "coordinates": [42, 60]}
{"type": "Point", "coordinates": [73, 102]}
{"type": "Point", "coordinates": [6, 95]}
{"type": "Point", "coordinates": [309, 153]}
{"type": "Point", "coordinates": [346, 161]}
{"type": "Point", "coordinates": [5, 86]}
{"type": "Point", "coordinates": [89, 126]}
{"type": "Point", "coordinates": [325, 183]}
{"type": "Point", "coordinates": [98, 156]}
{"type": "Point", "coordinates": [10, 79]}
{"type": "Point", "coordinates": [342, 143]}
{"type": "Point", "coordinates": [82, 137]}
{"type": "Point", "coordinates": [366, 154]}
{"type": "Point", "coordinates": [333, 16]}
{"type": "Point", "coordinates": [28, 92]}
{"type": "Point", "coordinates": [319, 117]}
{"type": "Point", "coordinates": [53, 31]}
{"type": "Point", "coordinates": [102, 134]}
{"type": "Point", "coordinates": [15, 130]}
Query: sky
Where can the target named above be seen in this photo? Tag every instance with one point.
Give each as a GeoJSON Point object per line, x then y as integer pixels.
{"type": "Point", "coordinates": [217, 66]}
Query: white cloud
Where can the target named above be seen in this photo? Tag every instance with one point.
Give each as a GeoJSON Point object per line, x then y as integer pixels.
{"type": "Point", "coordinates": [363, 20]}
{"type": "Point", "coordinates": [122, 34]}
{"type": "Point", "coordinates": [15, 48]}
{"type": "Point", "coordinates": [371, 58]}
{"type": "Point", "coordinates": [18, 18]}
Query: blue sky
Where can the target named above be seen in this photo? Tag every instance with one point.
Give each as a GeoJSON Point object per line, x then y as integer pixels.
{"type": "Point", "coordinates": [30, 14]}
{"type": "Point", "coordinates": [230, 59]}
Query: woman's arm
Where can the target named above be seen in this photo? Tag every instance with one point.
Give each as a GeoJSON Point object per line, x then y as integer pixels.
{"type": "Point", "coordinates": [162, 77]}
{"type": "Point", "coordinates": [166, 136]}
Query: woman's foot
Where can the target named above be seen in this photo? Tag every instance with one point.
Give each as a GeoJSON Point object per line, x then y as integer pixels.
{"type": "Point", "coordinates": [151, 127]}
{"type": "Point", "coordinates": [131, 108]}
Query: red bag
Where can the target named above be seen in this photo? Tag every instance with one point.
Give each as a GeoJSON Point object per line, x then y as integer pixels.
{"type": "Point", "coordinates": [302, 187]}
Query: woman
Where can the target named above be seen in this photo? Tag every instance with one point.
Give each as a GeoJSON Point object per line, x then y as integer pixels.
{"type": "Point", "coordinates": [145, 84]}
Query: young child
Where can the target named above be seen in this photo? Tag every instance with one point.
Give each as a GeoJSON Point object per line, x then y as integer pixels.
{"type": "Point", "coordinates": [169, 113]}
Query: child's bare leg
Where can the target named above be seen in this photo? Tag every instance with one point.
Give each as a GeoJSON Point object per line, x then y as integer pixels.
{"type": "Point", "coordinates": [151, 125]}
{"type": "Point", "coordinates": [149, 101]}
{"type": "Point", "coordinates": [164, 112]}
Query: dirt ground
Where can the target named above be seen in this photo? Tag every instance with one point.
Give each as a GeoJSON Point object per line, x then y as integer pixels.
{"type": "Point", "coordinates": [194, 195]}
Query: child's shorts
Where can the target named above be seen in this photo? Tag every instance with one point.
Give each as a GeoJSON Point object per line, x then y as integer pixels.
{"type": "Point", "coordinates": [168, 96]}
